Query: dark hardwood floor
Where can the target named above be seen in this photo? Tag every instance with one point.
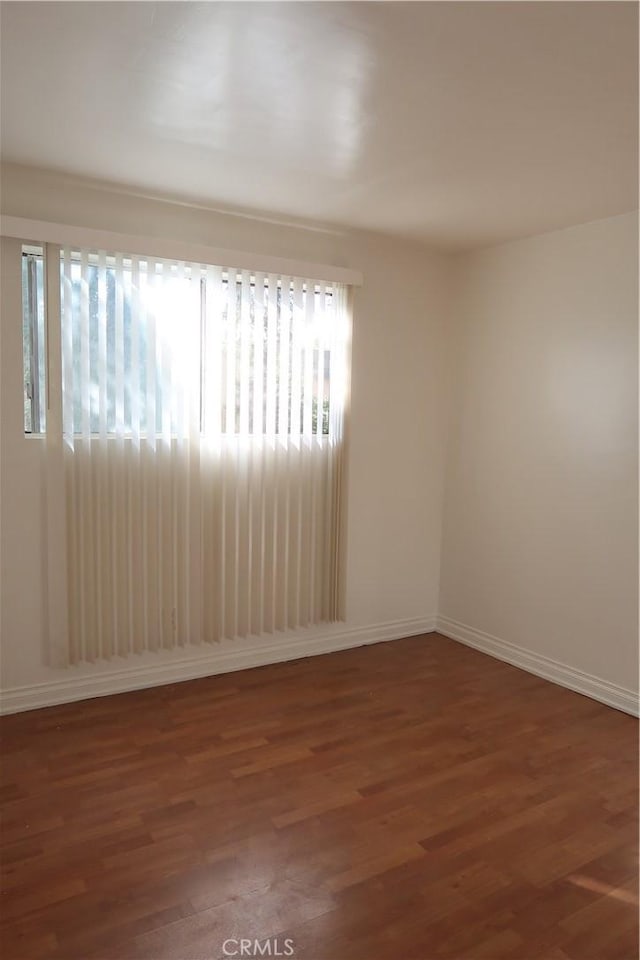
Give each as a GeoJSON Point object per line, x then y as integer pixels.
{"type": "Point", "coordinates": [413, 799]}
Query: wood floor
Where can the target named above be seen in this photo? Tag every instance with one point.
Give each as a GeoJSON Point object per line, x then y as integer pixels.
{"type": "Point", "coordinates": [409, 800]}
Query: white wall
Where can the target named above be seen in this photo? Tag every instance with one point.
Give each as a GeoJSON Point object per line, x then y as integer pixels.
{"type": "Point", "coordinates": [540, 543]}
{"type": "Point", "coordinates": [396, 457]}
{"type": "Point", "coordinates": [539, 348]}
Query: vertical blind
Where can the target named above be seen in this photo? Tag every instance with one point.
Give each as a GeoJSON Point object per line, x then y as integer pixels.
{"type": "Point", "coordinates": [202, 413]}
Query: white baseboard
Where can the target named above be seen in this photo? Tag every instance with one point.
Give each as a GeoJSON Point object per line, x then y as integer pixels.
{"type": "Point", "coordinates": [252, 652]}
{"type": "Point", "coordinates": [257, 652]}
{"type": "Point", "coordinates": [610, 693]}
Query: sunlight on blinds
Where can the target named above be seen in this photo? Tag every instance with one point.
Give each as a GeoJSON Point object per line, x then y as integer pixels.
{"type": "Point", "coordinates": [202, 435]}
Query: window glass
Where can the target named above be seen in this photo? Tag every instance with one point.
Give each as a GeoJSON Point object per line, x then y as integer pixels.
{"type": "Point", "coordinates": [33, 340]}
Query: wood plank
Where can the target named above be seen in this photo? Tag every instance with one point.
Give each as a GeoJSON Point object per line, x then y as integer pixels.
{"type": "Point", "coordinates": [413, 798]}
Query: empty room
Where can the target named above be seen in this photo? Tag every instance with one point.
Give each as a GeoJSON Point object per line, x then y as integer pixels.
{"type": "Point", "coordinates": [319, 480]}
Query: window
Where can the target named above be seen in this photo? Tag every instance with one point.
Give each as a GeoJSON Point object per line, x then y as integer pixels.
{"type": "Point", "coordinates": [100, 295]}
{"type": "Point", "coordinates": [195, 453]}
{"type": "Point", "coordinates": [33, 339]}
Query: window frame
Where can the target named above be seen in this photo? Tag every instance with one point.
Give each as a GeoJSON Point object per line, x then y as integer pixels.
{"type": "Point", "coordinates": [34, 338]}
{"type": "Point", "coordinates": [38, 350]}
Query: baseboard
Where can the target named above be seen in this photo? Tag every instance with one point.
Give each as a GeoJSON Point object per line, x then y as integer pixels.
{"type": "Point", "coordinates": [253, 652]}
{"type": "Point", "coordinates": [560, 673]}
{"type": "Point", "coordinates": [258, 652]}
